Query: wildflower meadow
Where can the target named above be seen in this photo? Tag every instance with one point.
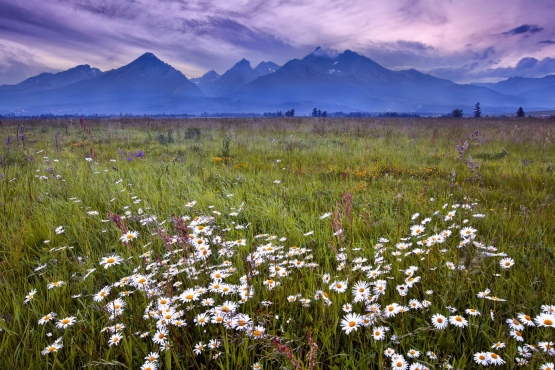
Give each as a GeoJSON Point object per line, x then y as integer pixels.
{"type": "Point", "coordinates": [298, 243]}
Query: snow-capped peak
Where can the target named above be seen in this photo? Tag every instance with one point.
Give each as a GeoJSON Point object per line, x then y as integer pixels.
{"type": "Point", "coordinates": [326, 53]}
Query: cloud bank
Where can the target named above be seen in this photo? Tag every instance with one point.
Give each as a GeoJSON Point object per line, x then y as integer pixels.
{"type": "Point", "coordinates": [463, 41]}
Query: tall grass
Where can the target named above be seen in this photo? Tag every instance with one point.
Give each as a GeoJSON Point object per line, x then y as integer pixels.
{"type": "Point", "coordinates": [260, 179]}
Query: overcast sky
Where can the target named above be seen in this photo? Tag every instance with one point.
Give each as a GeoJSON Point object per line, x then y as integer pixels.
{"type": "Point", "coordinates": [462, 40]}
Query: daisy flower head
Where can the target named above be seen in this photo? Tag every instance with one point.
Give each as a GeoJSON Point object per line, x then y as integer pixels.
{"type": "Point", "coordinates": [361, 288]}
{"type": "Point", "coordinates": [412, 353]}
{"type": "Point", "coordinates": [507, 263]}
{"type": "Point", "coordinates": [202, 319]}
{"type": "Point", "coordinates": [472, 312]}
{"type": "Point", "coordinates": [517, 335]}
{"type": "Point", "coordinates": [160, 336]}
{"type": "Point", "coordinates": [115, 339]}
{"type": "Point", "coordinates": [47, 318]}
{"type": "Point", "coordinates": [149, 366]}
{"type": "Point", "coordinates": [391, 310]}
{"type": "Point", "coordinates": [54, 347]}
{"type": "Point", "coordinates": [111, 261]}
{"type": "Point", "coordinates": [65, 322]}
{"type": "Point", "coordinates": [548, 366]}
{"type": "Point", "coordinates": [350, 322]}
{"type": "Point", "coordinates": [347, 308]}
{"type": "Point", "coordinates": [468, 232]}
{"type": "Point", "coordinates": [398, 362]}
{"type": "Point", "coordinates": [198, 348]}
{"type": "Point", "coordinates": [525, 319]}
{"type": "Point", "coordinates": [339, 286]}
{"type": "Point", "coordinates": [545, 319]}
{"type": "Point", "coordinates": [104, 292]}
{"type": "Point", "coordinates": [481, 358]}
{"type": "Point", "coordinates": [521, 361]}
{"type": "Point", "coordinates": [128, 236]}
{"type": "Point", "coordinates": [439, 321]}
{"type": "Point", "coordinates": [495, 359]}
{"type": "Point", "coordinates": [59, 230]}
{"type": "Point", "coordinates": [515, 324]}
{"type": "Point", "coordinates": [378, 333]}
{"type": "Point", "coordinates": [546, 346]}
{"type": "Point", "coordinates": [389, 352]}
{"type": "Point", "coordinates": [30, 296]}
{"type": "Point", "coordinates": [548, 308]}
{"type": "Point", "coordinates": [189, 295]}
{"type": "Point", "coordinates": [458, 321]}
{"type": "Point", "coordinates": [214, 344]}
{"type": "Point", "coordinates": [257, 332]}
{"type": "Point", "coordinates": [55, 284]}
{"type": "Point", "coordinates": [116, 305]}
{"type": "Point", "coordinates": [416, 230]}
{"type": "Point", "coordinates": [256, 366]}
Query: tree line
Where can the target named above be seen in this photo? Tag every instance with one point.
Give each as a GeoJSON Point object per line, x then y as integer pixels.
{"type": "Point", "coordinates": [477, 112]}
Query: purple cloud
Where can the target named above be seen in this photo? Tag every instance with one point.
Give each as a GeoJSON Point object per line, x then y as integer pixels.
{"type": "Point", "coordinates": [525, 28]}
{"type": "Point", "coordinates": [198, 35]}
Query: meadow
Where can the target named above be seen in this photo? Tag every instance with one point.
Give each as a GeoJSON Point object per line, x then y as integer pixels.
{"type": "Point", "coordinates": [298, 243]}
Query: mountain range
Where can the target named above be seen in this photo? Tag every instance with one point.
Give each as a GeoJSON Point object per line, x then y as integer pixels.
{"type": "Point", "coordinates": [326, 79]}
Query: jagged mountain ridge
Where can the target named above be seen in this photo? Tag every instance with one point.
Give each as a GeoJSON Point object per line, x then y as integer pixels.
{"type": "Point", "coordinates": [324, 78]}
{"type": "Point", "coordinates": [240, 74]}
{"type": "Point", "coordinates": [48, 81]}
{"type": "Point", "coordinates": [353, 80]}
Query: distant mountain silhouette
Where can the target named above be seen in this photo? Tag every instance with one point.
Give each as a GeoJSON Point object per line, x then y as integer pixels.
{"type": "Point", "coordinates": [235, 77]}
{"type": "Point", "coordinates": [264, 68]}
{"type": "Point", "coordinates": [536, 91]}
{"type": "Point", "coordinates": [326, 79]}
{"type": "Point", "coordinates": [206, 82]}
{"type": "Point", "coordinates": [47, 81]}
{"type": "Point", "coordinates": [145, 85]}
{"type": "Point", "coordinates": [348, 79]}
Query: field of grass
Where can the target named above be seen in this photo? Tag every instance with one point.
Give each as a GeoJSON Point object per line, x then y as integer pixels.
{"type": "Point", "coordinates": [277, 244]}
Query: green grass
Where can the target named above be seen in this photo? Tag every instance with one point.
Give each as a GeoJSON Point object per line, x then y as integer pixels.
{"type": "Point", "coordinates": [279, 177]}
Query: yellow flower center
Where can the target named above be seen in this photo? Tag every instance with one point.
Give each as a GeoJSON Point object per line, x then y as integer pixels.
{"type": "Point", "coordinates": [352, 323]}
{"type": "Point", "coordinates": [547, 322]}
